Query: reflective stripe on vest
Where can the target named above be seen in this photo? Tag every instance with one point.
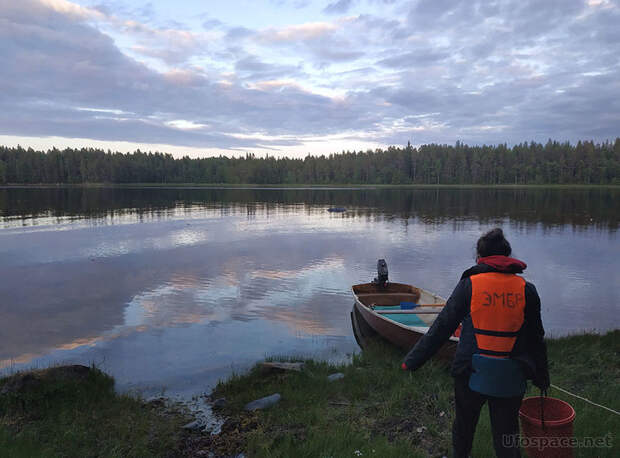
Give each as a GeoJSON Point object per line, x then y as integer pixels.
{"type": "Point", "coordinates": [497, 307]}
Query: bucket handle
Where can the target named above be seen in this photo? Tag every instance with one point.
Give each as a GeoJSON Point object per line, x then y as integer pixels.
{"type": "Point", "coordinates": [543, 394]}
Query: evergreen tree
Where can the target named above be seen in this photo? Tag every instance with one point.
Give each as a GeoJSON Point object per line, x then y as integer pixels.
{"type": "Point", "coordinates": [525, 163]}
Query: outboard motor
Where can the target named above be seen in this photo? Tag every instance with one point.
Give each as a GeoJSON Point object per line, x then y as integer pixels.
{"type": "Point", "coordinates": [382, 274]}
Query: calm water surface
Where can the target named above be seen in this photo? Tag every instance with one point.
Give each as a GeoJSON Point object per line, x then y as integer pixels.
{"type": "Point", "coordinates": [176, 288]}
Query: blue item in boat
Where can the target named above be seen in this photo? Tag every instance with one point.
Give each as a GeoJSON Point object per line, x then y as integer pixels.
{"type": "Point", "coordinates": [408, 319]}
{"type": "Point", "coordinates": [408, 305]}
{"type": "Point", "coordinates": [498, 377]}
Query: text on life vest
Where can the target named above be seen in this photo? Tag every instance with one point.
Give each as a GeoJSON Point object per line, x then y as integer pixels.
{"type": "Point", "coordinates": [510, 300]}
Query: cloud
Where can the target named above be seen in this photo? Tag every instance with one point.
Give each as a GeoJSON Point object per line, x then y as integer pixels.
{"type": "Point", "coordinates": [344, 6]}
{"type": "Point", "coordinates": [322, 43]}
{"type": "Point", "coordinates": [71, 9]}
{"type": "Point", "coordinates": [299, 4]}
{"type": "Point", "coordinates": [440, 71]}
{"type": "Point", "coordinates": [63, 65]}
{"type": "Point", "coordinates": [251, 68]}
{"type": "Point", "coordinates": [172, 46]}
{"type": "Point", "coordinates": [338, 7]}
{"type": "Point", "coordinates": [331, 54]}
{"type": "Point", "coordinates": [416, 58]}
{"type": "Point", "coordinates": [212, 23]}
{"type": "Point", "coordinates": [170, 43]}
{"type": "Point", "coordinates": [301, 32]}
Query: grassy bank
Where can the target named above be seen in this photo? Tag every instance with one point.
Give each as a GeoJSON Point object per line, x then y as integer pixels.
{"type": "Point", "coordinates": [376, 410]}
{"type": "Point", "coordinates": [51, 414]}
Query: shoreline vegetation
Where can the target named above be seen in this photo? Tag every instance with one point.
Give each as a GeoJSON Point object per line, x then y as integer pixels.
{"type": "Point", "coordinates": [522, 164]}
{"type": "Point", "coordinates": [374, 409]}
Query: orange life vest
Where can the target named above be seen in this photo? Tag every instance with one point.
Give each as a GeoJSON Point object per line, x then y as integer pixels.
{"type": "Point", "coordinates": [497, 311]}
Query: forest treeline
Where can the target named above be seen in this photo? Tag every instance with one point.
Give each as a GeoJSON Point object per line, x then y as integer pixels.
{"type": "Point", "coordinates": [526, 163]}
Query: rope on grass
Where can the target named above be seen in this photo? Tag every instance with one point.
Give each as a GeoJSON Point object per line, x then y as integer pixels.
{"type": "Point", "coordinates": [584, 399]}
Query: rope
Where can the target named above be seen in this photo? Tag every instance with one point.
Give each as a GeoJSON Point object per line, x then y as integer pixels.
{"type": "Point", "coordinates": [584, 399]}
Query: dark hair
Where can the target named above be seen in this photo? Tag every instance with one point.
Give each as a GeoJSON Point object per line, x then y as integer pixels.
{"type": "Point", "coordinates": [493, 242]}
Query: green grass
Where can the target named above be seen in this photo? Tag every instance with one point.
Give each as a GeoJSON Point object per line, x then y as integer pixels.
{"type": "Point", "coordinates": [378, 409]}
{"type": "Point", "coordinates": [85, 418]}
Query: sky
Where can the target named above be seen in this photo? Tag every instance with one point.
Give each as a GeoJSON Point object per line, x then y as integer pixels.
{"type": "Point", "coordinates": [293, 77]}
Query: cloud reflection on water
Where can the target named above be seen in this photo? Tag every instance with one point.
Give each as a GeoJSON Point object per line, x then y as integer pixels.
{"type": "Point", "coordinates": [251, 294]}
{"type": "Point", "coordinates": [206, 285]}
{"type": "Point", "coordinates": [184, 285]}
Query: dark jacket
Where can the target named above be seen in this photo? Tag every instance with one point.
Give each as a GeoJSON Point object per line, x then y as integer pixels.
{"type": "Point", "coordinates": [530, 348]}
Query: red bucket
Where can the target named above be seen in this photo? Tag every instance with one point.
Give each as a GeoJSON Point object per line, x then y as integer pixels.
{"type": "Point", "coordinates": [554, 441]}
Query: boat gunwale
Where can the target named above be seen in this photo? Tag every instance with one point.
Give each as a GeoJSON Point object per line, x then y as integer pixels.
{"type": "Point", "coordinates": [418, 329]}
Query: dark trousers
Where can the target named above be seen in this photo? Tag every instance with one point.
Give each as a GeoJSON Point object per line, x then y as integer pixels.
{"type": "Point", "coordinates": [504, 414]}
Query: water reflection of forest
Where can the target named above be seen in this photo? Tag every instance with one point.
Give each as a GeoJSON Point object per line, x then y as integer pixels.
{"type": "Point", "coordinates": [579, 207]}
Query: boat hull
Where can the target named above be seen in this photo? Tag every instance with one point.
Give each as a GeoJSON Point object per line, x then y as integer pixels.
{"type": "Point", "coordinates": [396, 333]}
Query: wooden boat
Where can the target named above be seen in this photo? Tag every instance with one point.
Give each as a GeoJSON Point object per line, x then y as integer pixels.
{"type": "Point", "coordinates": [387, 310]}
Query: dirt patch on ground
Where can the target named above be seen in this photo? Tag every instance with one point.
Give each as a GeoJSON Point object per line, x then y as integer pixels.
{"type": "Point", "coordinates": [234, 436]}
{"type": "Point", "coordinates": [396, 428]}
{"type": "Point", "coordinates": [411, 430]}
{"type": "Point", "coordinates": [230, 442]}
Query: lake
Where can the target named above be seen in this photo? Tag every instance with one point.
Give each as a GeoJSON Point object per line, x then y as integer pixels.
{"type": "Point", "coordinates": [172, 289]}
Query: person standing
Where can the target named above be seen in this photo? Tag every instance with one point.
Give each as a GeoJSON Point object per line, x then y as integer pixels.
{"type": "Point", "coordinates": [501, 345]}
